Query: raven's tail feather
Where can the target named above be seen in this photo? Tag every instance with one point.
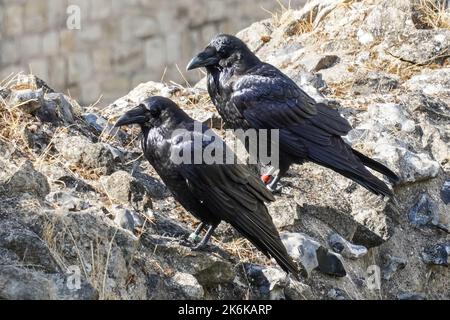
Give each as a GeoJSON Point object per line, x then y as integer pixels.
{"type": "Point", "coordinates": [375, 165]}
{"type": "Point", "coordinates": [341, 158]}
{"type": "Point", "coordinates": [266, 238]}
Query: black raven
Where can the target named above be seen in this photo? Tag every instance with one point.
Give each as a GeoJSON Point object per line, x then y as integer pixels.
{"type": "Point", "coordinates": [249, 93]}
{"type": "Point", "coordinates": [212, 192]}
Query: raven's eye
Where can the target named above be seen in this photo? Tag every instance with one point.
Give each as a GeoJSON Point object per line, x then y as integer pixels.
{"type": "Point", "coordinates": [155, 112]}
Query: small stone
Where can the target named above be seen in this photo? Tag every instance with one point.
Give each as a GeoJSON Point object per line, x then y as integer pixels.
{"type": "Point", "coordinates": [96, 122]}
{"type": "Point", "coordinates": [375, 82]}
{"type": "Point", "coordinates": [410, 166]}
{"type": "Point", "coordinates": [345, 248]}
{"type": "Point", "coordinates": [67, 201]}
{"type": "Point", "coordinates": [127, 190]}
{"type": "Point", "coordinates": [27, 100]}
{"type": "Point", "coordinates": [189, 285]}
{"type": "Point", "coordinates": [329, 263]}
{"type": "Point", "coordinates": [269, 282]}
{"type": "Point", "coordinates": [312, 255]}
{"type": "Point", "coordinates": [75, 184]}
{"type": "Point", "coordinates": [124, 218]}
{"type": "Point", "coordinates": [338, 294]}
{"type": "Point", "coordinates": [315, 63]}
{"type": "Point", "coordinates": [5, 92]}
{"type": "Point", "coordinates": [445, 192]}
{"type": "Point", "coordinates": [394, 264]}
{"type": "Point", "coordinates": [79, 150]}
{"type": "Point", "coordinates": [425, 212]}
{"type": "Point", "coordinates": [326, 62]}
{"type": "Point", "coordinates": [28, 180]}
{"type": "Point", "coordinates": [101, 125]}
{"type": "Point", "coordinates": [364, 37]}
{"type": "Point", "coordinates": [411, 296]}
{"type": "Point", "coordinates": [56, 108]}
{"type": "Point", "coordinates": [437, 255]}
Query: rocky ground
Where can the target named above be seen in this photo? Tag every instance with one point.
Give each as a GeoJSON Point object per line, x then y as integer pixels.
{"type": "Point", "coordinates": [83, 215]}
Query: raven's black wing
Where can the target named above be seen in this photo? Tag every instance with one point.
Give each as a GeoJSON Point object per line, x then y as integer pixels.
{"type": "Point", "coordinates": [235, 195]}
{"type": "Point", "coordinates": [268, 99]}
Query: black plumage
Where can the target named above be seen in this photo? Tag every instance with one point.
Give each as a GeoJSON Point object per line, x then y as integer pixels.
{"type": "Point", "coordinates": [249, 93]}
{"type": "Point", "coordinates": [211, 192]}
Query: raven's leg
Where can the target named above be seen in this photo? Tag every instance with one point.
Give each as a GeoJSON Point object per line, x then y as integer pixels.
{"type": "Point", "coordinates": [205, 240]}
{"type": "Point", "coordinates": [273, 185]}
{"type": "Point", "coordinates": [195, 236]}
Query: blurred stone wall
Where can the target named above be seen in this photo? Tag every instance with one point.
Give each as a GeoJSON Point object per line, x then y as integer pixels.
{"type": "Point", "coordinates": [121, 43]}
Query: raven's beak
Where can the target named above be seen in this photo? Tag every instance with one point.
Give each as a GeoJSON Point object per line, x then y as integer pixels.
{"type": "Point", "coordinates": [134, 116]}
{"type": "Point", "coordinates": [203, 59]}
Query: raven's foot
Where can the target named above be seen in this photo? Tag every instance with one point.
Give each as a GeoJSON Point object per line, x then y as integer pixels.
{"type": "Point", "coordinates": [194, 238]}
{"type": "Point", "coordinates": [185, 243]}
{"type": "Point", "coordinates": [204, 243]}
{"type": "Point", "coordinates": [200, 247]}
{"type": "Point", "coordinates": [273, 184]}
{"type": "Point", "coordinates": [275, 189]}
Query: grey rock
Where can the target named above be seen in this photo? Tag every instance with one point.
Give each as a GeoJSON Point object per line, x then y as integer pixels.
{"type": "Point", "coordinates": [387, 18]}
{"type": "Point", "coordinates": [410, 166]}
{"type": "Point", "coordinates": [21, 284]}
{"type": "Point", "coordinates": [445, 192]}
{"type": "Point", "coordinates": [330, 263]}
{"type": "Point", "coordinates": [375, 82]}
{"type": "Point", "coordinates": [209, 118]}
{"type": "Point", "coordinates": [27, 246]}
{"type": "Point", "coordinates": [124, 218]}
{"type": "Point", "coordinates": [437, 254]}
{"type": "Point", "coordinates": [411, 296]}
{"type": "Point", "coordinates": [189, 285]}
{"type": "Point", "coordinates": [207, 268]}
{"type": "Point", "coordinates": [421, 46]}
{"type": "Point", "coordinates": [4, 93]}
{"type": "Point", "coordinates": [431, 82]}
{"type": "Point", "coordinates": [79, 150]}
{"type": "Point", "coordinates": [339, 245]}
{"type": "Point", "coordinates": [257, 34]}
{"type": "Point", "coordinates": [390, 116]}
{"type": "Point", "coordinates": [67, 201]}
{"type": "Point", "coordinates": [394, 264]}
{"type": "Point", "coordinates": [28, 180]}
{"type": "Point", "coordinates": [56, 108]}
{"type": "Point", "coordinates": [269, 283]}
{"type": "Point", "coordinates": [123, 188]}
{"type": "Point", "coordinates": [283, 213]}
{"type": "Point", "coordinates": [312, 255]}
{"type": "Point", "coordinates": [25, 284]}
{"type": "Point", "coordinates": [118, 155]}
{"type": "Point", "coordinates": [101, 125]}
{"type": "Point", "coordinates": [27, 100]}
{"type": "Point", "coordinates": [338, 294]}
{"type": "Point", "coordinates": [426, 212]}
{"type": "Point", "coordinates": [346, 225]}
{"type": "Point", "coordinates": [75, 184]}
{"type": "Point", "coordinates": [315, 63]}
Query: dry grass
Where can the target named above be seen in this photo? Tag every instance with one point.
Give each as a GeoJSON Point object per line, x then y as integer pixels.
{"type": "Point", "coordinates": [277, 15]}
{"type": "Point", "coordinates": [93, 261]}
{"type": "Point", "coordinates": [246, 252]}
{"type": "Point", "coordinates": [301, 27]}
{"type": "Point", "coordinates": [433, 13]}
{"type": "Point", "coordinates": [13, 121]}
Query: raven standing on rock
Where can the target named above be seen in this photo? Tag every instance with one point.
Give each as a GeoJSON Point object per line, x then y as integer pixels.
{"type": "Point", "coordinates": [249, 93]}
{"type": "Point", "coordinates": [211, 192]}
